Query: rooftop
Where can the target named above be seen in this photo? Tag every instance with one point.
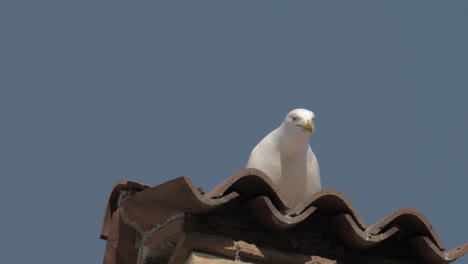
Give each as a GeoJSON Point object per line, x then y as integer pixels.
{"type": "Point", "coordinates": [245, 218]}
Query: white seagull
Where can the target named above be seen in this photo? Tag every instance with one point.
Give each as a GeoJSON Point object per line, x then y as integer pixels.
{"type": "Point", "coordinates": [287, 158]}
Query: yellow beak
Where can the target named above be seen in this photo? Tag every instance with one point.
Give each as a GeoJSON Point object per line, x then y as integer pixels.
{"type": "Point", "coordinates": [308, 127]}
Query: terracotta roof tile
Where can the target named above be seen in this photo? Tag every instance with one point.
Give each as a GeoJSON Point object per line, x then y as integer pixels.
{"type": "Point", "coordinates": [150, 208]}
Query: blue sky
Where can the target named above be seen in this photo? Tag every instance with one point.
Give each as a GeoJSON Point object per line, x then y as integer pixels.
{"type": "Point", "coordinates": [92, 92]}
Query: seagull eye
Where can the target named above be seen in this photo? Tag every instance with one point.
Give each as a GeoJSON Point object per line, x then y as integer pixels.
{"type": "Point", "coordinates": [294, 118]}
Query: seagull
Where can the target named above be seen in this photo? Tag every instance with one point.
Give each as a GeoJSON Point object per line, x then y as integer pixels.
{"type": "Point", "coordinates": [286, 157]}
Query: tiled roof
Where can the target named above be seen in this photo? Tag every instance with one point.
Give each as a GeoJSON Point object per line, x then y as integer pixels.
{"type": "Point", "coordinates": [259, 196]}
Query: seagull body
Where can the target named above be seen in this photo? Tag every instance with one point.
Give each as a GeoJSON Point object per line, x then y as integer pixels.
{"type": "Point", "coordinates": [287, 158]}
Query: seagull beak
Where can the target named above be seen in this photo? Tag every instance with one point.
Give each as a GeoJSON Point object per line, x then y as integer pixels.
{"type": "Point", "coordinates": [308, 127]}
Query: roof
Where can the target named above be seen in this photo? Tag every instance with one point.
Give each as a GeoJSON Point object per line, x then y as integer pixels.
{"type": "Point", "coordinates": [150, 208]}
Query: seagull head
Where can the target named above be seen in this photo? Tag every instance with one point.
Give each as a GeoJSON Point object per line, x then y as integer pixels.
{"type": "Point", "coordinates": [300, 121]}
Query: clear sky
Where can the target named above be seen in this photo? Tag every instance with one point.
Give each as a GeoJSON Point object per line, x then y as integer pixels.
{"type": "Point", "coordinates": [95, 91]}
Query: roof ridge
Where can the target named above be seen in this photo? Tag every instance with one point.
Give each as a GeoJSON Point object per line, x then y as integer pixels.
{"type": "Point", "coordinates": [263, 201]}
